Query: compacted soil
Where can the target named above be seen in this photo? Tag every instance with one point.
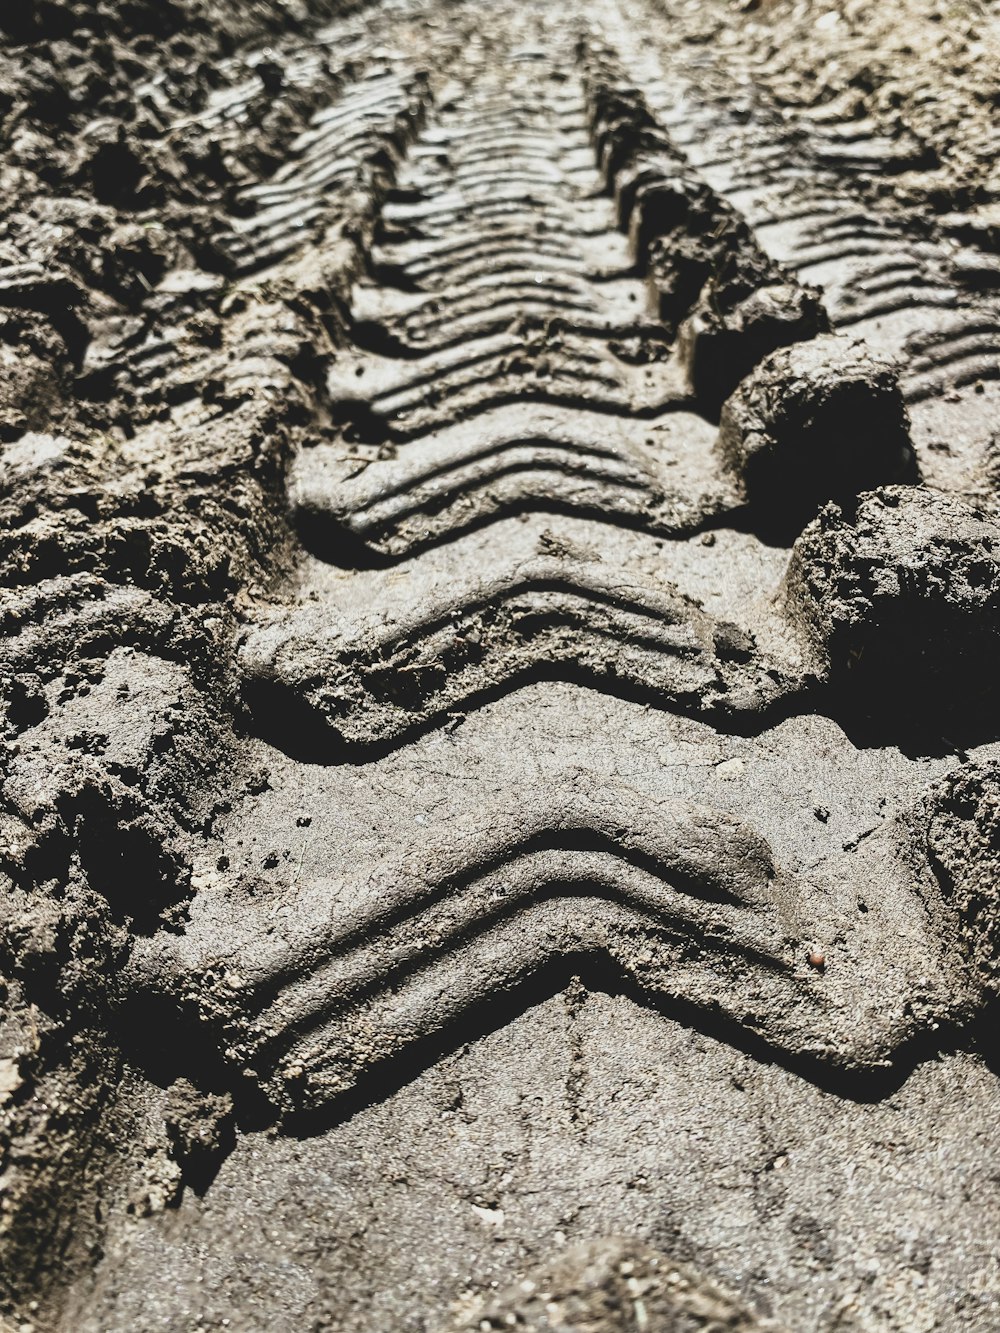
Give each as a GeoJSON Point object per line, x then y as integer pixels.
{"type": "Point", "coordinates": [500, 617]}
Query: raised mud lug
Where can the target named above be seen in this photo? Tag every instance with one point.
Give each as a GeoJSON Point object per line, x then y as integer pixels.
{"type": "Point", "coordinates": [700, 256]}
{"type": "Point", "coordinates": [656, 196]}
{"type": "Point", "coordinates": [900, 594]}
{"type": "Point", "coordinates": [677, 272]}
{"type": "Point", "coordinates": [718, 349]}
{"type": "Point", "coordinates": [199, 1128]}
{"type": "Point", "coordinates": [650, 182]}
{"type": "Point", "coordinates": [821, 420]}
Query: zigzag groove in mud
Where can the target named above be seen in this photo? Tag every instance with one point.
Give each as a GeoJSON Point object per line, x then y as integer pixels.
{"type": "Point", "coordinates": [356, 136]}
{"type": "Point", "coordinates": [687, 900]}
{"type": "Point", "coordinates": [544, 616]}
{"type": "Point", "coordinates": [518, 458]}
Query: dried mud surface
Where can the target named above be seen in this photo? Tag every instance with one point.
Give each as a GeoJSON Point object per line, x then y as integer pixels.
{"type": "Point", "coordinates": [500, 614]}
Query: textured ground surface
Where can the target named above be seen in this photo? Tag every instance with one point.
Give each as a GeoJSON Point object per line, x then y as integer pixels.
{"type": "Point", "coordinates": [500, 615]}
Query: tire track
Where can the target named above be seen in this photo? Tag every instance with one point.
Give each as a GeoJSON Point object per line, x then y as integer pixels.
{"type": "Point", "coordinates": [491, 567]}
{"type": "Point", "coordinates": [886, 278]}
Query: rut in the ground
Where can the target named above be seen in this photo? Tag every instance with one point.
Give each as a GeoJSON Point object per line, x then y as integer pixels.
{"type": "Point", "coordinates": [553, 302]}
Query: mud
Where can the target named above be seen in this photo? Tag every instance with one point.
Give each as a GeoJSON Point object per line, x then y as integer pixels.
{"type": "Point", "coordinates": [500, 611]}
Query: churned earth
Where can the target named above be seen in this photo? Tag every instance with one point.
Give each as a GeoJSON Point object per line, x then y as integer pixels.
{"type": "Point", "coordinates": [500, 614]}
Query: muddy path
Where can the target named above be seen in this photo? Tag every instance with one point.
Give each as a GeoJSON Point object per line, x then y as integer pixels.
{"type": "Point", "coordinates": [501, 607]}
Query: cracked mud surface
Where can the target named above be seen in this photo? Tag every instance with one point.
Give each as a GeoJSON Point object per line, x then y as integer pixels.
{"type": "Point", "coordinates": [500, 811]}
